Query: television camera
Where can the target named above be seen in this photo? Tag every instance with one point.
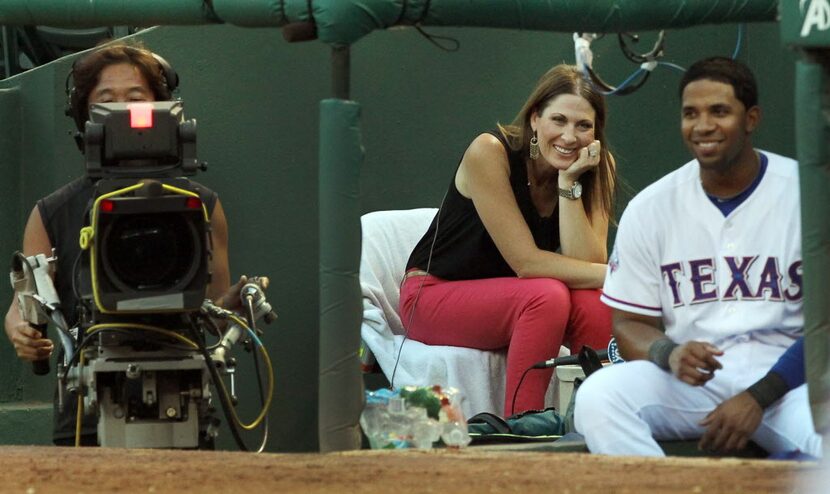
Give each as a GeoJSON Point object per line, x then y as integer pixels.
{"type": "Point", "coordinates": [141, 357]}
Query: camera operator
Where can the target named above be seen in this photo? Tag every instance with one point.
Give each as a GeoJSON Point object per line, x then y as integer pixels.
{"type": "Point", "coordinates": [116, 72]}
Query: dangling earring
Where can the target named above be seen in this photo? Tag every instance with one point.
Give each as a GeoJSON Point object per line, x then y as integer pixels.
{"type": "Point", "coordinates": [534, 147]}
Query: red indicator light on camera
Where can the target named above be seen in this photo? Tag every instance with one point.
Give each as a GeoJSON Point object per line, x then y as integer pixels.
{"type": "Point", "coordinates": [193, 203]}
{"type": "Point", "coordinates": [107, 206]}
{"type": "Point", "coordinates": [141, 115]}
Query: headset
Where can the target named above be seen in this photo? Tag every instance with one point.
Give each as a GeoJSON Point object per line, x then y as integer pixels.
{"type": "Point", "coordinates": [73, 104]}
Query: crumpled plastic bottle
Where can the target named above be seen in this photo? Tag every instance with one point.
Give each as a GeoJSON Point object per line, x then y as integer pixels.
{"type": "Point", "coordinates": [414, 417]}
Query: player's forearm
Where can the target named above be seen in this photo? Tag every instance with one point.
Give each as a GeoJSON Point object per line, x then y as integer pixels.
{"type": "Point", "coordinates": [636, 335]}
{"type": "Point", "coordinates": [787, 374]}
{"type": "Point", "coordinates": [768, 389]}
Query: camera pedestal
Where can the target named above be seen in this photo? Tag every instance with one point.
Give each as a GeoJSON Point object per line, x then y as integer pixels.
{"type": "Point", "coordinates": [148, 399]}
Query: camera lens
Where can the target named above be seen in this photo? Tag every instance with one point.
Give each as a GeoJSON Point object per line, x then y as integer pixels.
{"type": "Point", "coordinates": [150, 252]}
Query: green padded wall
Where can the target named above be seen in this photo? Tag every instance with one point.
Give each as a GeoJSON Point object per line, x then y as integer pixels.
{"type": "Point", "coordinates": [256, 99]}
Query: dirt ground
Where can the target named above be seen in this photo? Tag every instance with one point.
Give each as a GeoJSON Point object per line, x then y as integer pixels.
{"type": "Point", "coordinates": [42, 470]}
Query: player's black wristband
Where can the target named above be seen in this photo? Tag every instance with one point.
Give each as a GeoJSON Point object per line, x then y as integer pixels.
{"type": "Point", "coordinates": [768, 389]}
{"type": "Point", "coordinates": [659, 352]}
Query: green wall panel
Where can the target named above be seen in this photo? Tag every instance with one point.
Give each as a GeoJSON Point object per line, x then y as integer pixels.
{"type": "Point", "coordinates": [10, 217]}
{"type": "Point", "coordinates": [23, 422]}
{"type": "Point", "coordinates": [256, 100]}
{"type": "Point", "coordinates": [422, 105]}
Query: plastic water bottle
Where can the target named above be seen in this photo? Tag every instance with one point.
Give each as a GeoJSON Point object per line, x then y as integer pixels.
{"type": "Point", "coordinates": [414, 417]}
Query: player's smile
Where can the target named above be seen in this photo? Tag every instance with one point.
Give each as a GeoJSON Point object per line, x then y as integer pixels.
{"type": "Point", "coordinates": [707, 147]}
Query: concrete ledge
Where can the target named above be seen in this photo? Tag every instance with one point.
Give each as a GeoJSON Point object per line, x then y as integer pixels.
{"type": "Point", "coordinates": [26, 423]}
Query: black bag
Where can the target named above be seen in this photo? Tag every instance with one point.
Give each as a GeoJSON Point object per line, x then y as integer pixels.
{"type": "Point", "coordinates": [532, 425]}
{"type": "Point", "coordinates": [529, 426]}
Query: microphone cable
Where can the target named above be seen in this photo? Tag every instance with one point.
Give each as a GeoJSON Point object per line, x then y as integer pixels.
{"type": "Point", "coordinates": [516, 392]}
{"type": "Point", "coordinates": [648, 61]}
{"type": "Point", "coordinates": [418, 293]}
{"type": "Point", "coordinates": [588, 359]}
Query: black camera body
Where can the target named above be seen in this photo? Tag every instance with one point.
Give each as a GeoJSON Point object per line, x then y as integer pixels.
{"type": "Point", "coordinates": [148, 232]}
{"type": "Point", "coordinates": [151, 247]}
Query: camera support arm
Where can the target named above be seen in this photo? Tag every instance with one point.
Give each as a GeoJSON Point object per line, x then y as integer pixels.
{"type": "Point", "coordinates": [38, 303]}
{"type": "Point", "coordinates": [31, 279]}
{"type": "Point", "coordinates": [251, 294]}
{"type": "Point", "coordinates": [37, 299]}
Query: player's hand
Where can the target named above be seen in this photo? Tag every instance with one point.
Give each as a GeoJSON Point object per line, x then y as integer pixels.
{"type": "Point", "coordinates": [730, 425]}
{"type": "Point", "coordinates": [29, 344]}
{"type": "Point", "coordinates": [694, 362]}
{"type": "Point", "coordinates": [588, 159]}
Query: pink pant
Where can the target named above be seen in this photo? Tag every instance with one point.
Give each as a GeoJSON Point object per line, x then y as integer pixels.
{"type": "Point", "coordinates": [531, 317]}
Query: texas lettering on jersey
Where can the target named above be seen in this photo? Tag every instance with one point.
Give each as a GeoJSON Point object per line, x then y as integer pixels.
{"type": "Point", "coordinates": [766, 282]}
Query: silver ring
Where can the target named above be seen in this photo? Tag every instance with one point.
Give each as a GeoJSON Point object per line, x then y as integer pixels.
{"type": "Point", "coordinates": [592, 153]}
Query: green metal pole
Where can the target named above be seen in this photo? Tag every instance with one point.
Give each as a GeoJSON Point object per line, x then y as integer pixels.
{"type": "Point", "coordinates": [812, 142]}
{"type": "Point", "coordinates": [343, 22]}
{"type": "Point", "coordinates": [92, 13]}
{"type": "Point", "coordinates": [341, 385]}
{"type": "Point", "coordinates": [346, 21]}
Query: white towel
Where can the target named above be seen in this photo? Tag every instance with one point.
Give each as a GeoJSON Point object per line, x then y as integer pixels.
{"type": "Point", "coordinates": [388, 239]}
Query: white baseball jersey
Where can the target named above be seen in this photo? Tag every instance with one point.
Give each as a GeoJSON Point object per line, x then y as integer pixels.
{"type": "Point", "coordinates": [711, 277]}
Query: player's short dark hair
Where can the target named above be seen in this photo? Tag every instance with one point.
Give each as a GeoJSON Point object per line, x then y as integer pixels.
{"type": "Point", "coordinates": [727, 71]}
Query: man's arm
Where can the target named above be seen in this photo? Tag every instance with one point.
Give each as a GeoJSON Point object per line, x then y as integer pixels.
{"type": "Point", "coordinates": [788, 373]}
{"type": "Point", "coordinates": [220, 270]}
{"type": "Point", "coordinates": [730, 425]}
{"type": "Point", "coordinates": [29, 344]}
{"type": "Point", "coordinates": [640, 337]}
{"type": "Point", "coordinates": [635, 333]}
{"type": "Point", "coordinates": [220, 291]}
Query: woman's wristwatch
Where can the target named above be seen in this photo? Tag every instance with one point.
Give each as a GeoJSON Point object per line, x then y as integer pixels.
{"type": "Point", "coordinates": [575, 192]}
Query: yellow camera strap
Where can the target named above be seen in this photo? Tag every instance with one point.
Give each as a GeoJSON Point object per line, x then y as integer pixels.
{"type": "Point", "coordinates": [88, 232]}
{"type": "Point", "coordinates": [189, 193]}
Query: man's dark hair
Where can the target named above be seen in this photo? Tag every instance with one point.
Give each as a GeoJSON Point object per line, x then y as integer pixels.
{"type": "Point", "coordinates": [727, 71]}
{"type": "Point", "coordinates": [86, 73]}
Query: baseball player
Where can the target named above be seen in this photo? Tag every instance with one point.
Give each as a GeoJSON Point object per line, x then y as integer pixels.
{"type": "Point", "coordinates": [729, 426]}
{"type": "Point", "coordinates": [705, 284]}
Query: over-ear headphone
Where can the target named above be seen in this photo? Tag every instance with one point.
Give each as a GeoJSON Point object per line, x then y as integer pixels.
{"type": "Point", "coordinates": [73, 103]}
